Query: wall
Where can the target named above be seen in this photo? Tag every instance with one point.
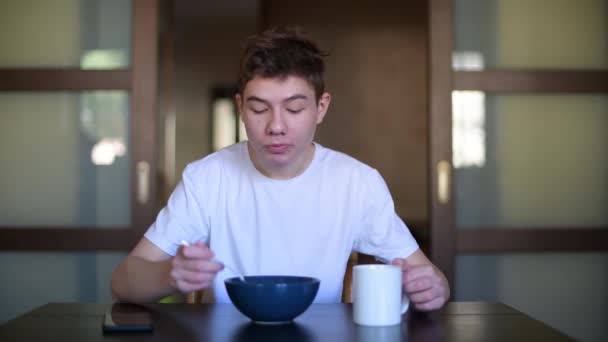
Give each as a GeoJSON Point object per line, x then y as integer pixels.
{"type": "Point", "coordinates": [207, 42]}
{"type": "Point", "coordinates": [377, 75]}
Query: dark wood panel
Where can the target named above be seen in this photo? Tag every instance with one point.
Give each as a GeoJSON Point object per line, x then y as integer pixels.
{"type": "Point", "coordinates": [542, 81]}
{"type": "Point", "coordinates": [65, 239]}
{"type": "Point", "coordinates": [493, 240]}
{"type": "Point", "coordinates": [144, 109]}
{"type": "Point", "coordinates": [63, 79]}
{"type": "Point", "coordinates": [440, 132]}
{"type": "Point", "coordinates": [167, 98]}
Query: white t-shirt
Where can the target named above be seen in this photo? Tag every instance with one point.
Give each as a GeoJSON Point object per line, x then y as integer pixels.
{"type": "Point", "coordinates": [305, 226]}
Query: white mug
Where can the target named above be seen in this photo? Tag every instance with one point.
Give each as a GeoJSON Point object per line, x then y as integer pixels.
{"type": "Point", "coordinates": [378, 299]}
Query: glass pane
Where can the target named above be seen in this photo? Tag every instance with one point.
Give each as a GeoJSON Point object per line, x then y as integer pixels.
{"type": "Point", "coordinates": [227, 127]}
{"type": "Point", "coordinates": [530, 160]}
{"type": "Point", "coordinates": [564, 290]}
{"type": "Point", "coordinates": [65, 159]}
{"type": "Point", "coordinates": [67, 277]}
{"type": "Point", "coordinates": [91, 34]}
{"type": "Point", "coordinates": [530, 34]}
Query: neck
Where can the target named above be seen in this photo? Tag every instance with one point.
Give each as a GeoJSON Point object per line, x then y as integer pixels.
{"type": "Point", "coordinates": [287, 171]}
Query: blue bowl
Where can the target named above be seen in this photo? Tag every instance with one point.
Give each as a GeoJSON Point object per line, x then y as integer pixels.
{"type": "Point", "coordinates": [272, 299]}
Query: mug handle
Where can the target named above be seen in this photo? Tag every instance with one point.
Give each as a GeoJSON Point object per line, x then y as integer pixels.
{"type": "Point", "coordinates": [405, 300]}
{"type": "Point", "coordinates": [405, 303]}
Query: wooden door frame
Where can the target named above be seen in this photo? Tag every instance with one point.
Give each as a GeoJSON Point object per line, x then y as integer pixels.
{"type": "Point", "coordinates": [141, 80]}
{"type": "Point", "coordinates": [446, 240]}
{"type": "Point", "coordinates": [441, 215]}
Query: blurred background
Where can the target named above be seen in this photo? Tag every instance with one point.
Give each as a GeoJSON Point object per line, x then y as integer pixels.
{"type": "Point", "coordinates": [487, 118]}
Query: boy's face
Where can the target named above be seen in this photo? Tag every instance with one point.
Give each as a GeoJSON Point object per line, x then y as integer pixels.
{"type": "Point", "coordinates": [281, 116]}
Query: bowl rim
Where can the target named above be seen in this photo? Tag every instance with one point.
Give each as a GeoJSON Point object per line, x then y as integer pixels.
{"type": "Point", "coordinates": [304, 279]}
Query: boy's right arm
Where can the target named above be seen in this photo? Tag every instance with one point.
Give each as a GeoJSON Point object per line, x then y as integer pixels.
{"type": "Point", "coordinates": [148, 273]}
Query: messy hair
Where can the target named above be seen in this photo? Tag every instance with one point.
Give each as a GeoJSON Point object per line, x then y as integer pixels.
{"type": "Point", "coordinates": [282, 52]}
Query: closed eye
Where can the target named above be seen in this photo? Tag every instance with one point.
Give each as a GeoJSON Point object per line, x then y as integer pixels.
{"type": "Point", "coordinates": [259, 111]}
{"type": "Point", "coordinates": [295, 111]}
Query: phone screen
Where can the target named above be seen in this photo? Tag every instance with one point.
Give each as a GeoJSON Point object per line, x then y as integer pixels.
{"type": "Point", "coordinates": [125, 317]}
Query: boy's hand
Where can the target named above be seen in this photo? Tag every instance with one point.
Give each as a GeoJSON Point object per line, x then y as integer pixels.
{"type": "Point", "coordinates": [426, 287]}
{"type": "Point", "coordinates": [193, 268]}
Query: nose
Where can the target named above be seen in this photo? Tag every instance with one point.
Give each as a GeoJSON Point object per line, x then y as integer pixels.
{"type": "Point", "coordinates": [276, 125]}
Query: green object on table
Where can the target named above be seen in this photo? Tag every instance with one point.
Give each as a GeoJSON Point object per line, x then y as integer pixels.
{"type": "Point", "coordinates": [171, 299]}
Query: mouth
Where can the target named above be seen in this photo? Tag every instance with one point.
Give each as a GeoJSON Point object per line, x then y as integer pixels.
{"type": "Point", "coordinates": [276, 148]}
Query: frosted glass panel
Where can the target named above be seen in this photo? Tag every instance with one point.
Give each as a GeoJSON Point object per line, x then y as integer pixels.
{"type": "Point", "coordinates": [530, 34]}
{"type": "Point", "coordinates": [530, 160]}
{"type": "Point", "coordinates": [568, 291]}
{"type": "Point", "coordinates": [91, 34]}
{"type": "Point", "coordinates": [65, 159]}
{"type": "Point", "coordinates": [29, 280]}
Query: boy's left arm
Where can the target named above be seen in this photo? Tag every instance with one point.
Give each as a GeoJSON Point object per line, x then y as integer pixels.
{"type": "Point", "coordinates": [425, 285]}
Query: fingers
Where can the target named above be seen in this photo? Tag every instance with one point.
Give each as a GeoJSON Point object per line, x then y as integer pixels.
{"type": "Point", "coordinates": [416, 272]}
{"type": "Point", "coordinates": [188, 281]}
{"type": "Point", "coordinates": [425, 286]}
{"type": "Point", "coordinates": [186, 287]}
{"type": "Point", "coordinates": [197, 251]}
{"type": "Point", "coordinates": [399, 262]}
{"type": "Point", "coordinates": [193, 268]}
{"type": "Point", "coordinates": [429, 294]}
{"type": "Point", "coordinates": [419, 278]}
{"type": "Point", "coordinates": [434, 304]}
{"type": "Point", "coordinates": [424, 296]}
{"type": "Point", "coordinates": [197, 265]}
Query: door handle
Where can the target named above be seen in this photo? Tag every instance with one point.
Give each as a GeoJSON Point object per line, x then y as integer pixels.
{"type": "Point", "coordinates": [443, 181]}
{"type": "Point", "coordinates": [143, 182]}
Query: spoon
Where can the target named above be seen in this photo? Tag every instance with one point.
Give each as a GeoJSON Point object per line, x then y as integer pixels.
{"type": "Point", "coordinates": [242, 277]}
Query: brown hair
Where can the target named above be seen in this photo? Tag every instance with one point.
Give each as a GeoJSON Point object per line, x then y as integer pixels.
{"type": "Point", "coordinates": [282, 52]}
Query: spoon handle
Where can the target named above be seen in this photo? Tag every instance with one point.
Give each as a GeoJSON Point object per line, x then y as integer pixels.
{"type": "Point", "coordinates": [235, 272]}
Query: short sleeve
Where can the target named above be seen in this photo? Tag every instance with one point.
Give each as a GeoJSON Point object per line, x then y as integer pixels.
{"type": "Point", "coordinates": [382, 233]}
{"type": "Point", "coordinates": [183, 218]}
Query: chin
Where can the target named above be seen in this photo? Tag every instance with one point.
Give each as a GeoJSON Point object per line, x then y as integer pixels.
{"type": "Point", "coordinates": [278, 161]}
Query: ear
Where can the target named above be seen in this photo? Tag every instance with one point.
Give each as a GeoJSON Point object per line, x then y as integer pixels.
{"type": "Point", "coordinates": [239, 104]}
{"type": "Point", "coordinates": [323, 106]}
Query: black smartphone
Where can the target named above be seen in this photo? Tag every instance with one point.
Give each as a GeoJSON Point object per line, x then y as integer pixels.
{"type": "Point", "coordinates": [124, 318]}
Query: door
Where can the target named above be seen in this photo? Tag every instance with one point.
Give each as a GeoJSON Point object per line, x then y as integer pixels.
{"type": "Point", "coordinates": [519, 169]}
{"type": "Point", "coordinates": [77, 145]}
{"type": "Point", "coordinates": [77, 102]}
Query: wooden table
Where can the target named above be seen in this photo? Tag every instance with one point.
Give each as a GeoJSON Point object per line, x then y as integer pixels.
{"type": "Point", "coordinates": [458, 321]}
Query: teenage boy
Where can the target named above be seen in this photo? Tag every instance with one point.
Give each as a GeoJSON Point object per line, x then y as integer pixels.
{"type": "Point", "coordinates": [278, 203]}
